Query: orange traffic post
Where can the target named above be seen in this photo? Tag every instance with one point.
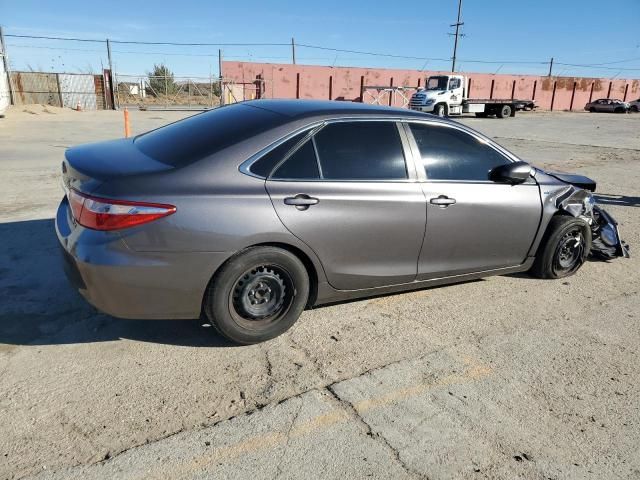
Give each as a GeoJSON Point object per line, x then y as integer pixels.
{"type": "Point", "coordinates": [127, 126]}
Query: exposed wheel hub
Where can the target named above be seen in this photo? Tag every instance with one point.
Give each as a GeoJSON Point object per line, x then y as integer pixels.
{"type": "Point", "coordinates": [259, 293]}
{"type": "Point", "coordinates": [570, 250]}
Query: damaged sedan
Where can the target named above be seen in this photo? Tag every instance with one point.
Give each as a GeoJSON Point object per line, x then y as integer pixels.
{"type": "Point", "coordinates": [250, 213]}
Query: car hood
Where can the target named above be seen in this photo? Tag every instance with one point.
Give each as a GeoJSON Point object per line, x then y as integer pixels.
{"type": "Point", "coordinates": [579, 181]}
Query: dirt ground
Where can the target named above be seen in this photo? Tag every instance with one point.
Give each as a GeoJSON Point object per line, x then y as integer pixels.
{"type": "Point", "coordinates": [508, 377]}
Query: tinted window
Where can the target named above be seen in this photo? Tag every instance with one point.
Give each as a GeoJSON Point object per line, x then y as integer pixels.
{"type": "Point", "coordinates": [454, 83]}
{"type": "Point", "coordinates": [449, 154]}
{"type": "Point", "coordinates": [361, 151]}
{"type": "Point", "coordinates": [301, 165]}
{"type": "Point", "coordinates": [196, 137]}
{"type": "Point", "coordinates": [265, 164]}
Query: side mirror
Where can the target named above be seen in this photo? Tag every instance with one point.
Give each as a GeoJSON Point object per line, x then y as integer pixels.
{"type": "Point", "coordinates": [515, 172]}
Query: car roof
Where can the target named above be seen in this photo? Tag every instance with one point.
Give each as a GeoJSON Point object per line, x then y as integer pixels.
{"type": "Point", "coordinates": [298, 109]}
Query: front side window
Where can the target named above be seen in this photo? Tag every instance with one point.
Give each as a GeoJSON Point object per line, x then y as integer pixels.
{"type": "Point", "coordinates": [454, 83]}
{"type": "Point", "coordinates": [450, 154]}
{"type": "Point", "coordinates": [361, 151]}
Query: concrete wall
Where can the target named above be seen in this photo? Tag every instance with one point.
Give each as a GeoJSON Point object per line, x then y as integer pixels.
{"type": "Point", "coordinates": [346, 83]}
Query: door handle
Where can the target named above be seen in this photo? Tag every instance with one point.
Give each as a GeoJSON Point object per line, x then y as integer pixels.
{"type": "Point", "coordinates": [442, 201]}
{"type": "Point", "coordinates": [301, 201]}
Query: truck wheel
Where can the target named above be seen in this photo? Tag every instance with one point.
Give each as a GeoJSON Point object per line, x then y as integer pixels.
{"type": "Point", "coordinates": [482, 114]}
{"type": "Point", "coordinates": [441, 110]}
{"type": "Point", "coordinates": [504, 111]}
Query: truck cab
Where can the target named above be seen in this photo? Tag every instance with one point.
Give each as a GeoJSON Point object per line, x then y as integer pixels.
{"type": "Point", "coordinates": [442, 95]}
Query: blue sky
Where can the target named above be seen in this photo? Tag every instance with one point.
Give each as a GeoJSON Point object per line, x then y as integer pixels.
{"type": "Point", "coordinates": [584, 32]}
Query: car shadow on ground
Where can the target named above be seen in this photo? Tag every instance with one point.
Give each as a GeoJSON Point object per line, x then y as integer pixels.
{"type": "Point", "coordinates": [39, 306]}
{"type": "Point", "coordinates": [621, 200]}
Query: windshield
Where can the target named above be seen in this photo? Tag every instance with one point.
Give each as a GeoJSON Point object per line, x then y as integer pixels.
{"type": "Point", "coordinates": [437, 83]}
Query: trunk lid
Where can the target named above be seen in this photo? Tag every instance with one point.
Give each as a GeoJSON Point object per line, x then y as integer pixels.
{"type": "Point", "coordinates": [85, 167]}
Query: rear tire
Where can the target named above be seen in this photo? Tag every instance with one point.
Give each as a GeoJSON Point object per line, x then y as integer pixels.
{"type": "Point", "coordinates": [564, 248]}
{"type": "Point", "coordinates": [504, 111]}
{"type": "Point", "coordinates": [634, 108]}
{"type": "Point", "coordinates": [257, 295]}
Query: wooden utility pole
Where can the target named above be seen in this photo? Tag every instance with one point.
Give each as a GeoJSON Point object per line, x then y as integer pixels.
{"type": "Point", "coordinates": [551, 66]}
{"type": "Point", "coordinates": [220, 76]}
{"type": "Point", "coordinates": [458, 24]}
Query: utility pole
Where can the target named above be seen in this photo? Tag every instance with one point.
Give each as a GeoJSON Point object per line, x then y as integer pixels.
{"type": "Point", "coordinates": [293, 51]}
{"type": "Point", "coordinates": [7, 67]}
{"type": "Point", "coordinates": [550, 66]}
{"type": "Point", "coordinates": [111, 77]}
{"type": "Point", "coordinates": [220, 76]}
{"type": "Point", "coordinates": [458, 24]}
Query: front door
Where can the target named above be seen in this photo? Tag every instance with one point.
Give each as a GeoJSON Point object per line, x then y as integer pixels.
{"type": "Point", "coordinates": [348, 194]}
{"type": "Point", "coordinates": [473, 224]}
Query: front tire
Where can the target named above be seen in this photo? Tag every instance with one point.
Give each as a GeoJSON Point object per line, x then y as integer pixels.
{"type": "Point", "coordinates": [257, 295]}
{"type": "Point", "coordinates": [564, 248]}
{"type": "Point", "coordinates": [441, 110]}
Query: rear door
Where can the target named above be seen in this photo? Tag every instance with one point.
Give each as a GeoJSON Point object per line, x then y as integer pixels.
{"type": "Point", "coordinates": [473, 224]}
{"type": "Point", "coordinates": [349, 193]}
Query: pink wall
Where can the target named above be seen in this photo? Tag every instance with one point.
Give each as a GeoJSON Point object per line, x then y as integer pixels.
{"type": "Point", "coordinates": [344, 83]}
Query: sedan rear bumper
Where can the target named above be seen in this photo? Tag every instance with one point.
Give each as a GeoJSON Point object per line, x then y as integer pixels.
{"type": "Point", "coordinates": [130, 284]}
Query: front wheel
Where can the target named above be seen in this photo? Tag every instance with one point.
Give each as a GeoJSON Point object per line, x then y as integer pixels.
{"type": "Point", "coordinates": [257, 295]}
{"type": "Point", "coordinates": [441, 110]}
{"type": "Point", "coordinates": [634, 108]}
{"type": "Point", "coordinates": [592, 109]}
{"type": "Point", "coordinates": [564, 248]}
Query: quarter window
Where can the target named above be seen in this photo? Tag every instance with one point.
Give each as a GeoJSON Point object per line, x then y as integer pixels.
{"type": "Point", "coordinates": [265, 164]}
{"type": "Point", "coordinates": [450, 154]}
{"type": "Point", "coordinates": [361, 151]}
{"type": "Point", "coordinates": [301, 165]}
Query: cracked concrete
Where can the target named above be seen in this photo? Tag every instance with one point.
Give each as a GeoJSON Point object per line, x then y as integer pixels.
{"type": "Point", "coordinates": [508, 377]}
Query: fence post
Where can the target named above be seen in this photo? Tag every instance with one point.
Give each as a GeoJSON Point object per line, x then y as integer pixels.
{"type": "Point", "coordinates": [7, 67]}
{"type": "Point", "coordinates": [59, 90]}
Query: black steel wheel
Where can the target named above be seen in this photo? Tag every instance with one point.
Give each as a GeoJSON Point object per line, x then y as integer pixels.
{"type": "Point", "coordinates": [569, 253]}
{"type": "Point", "coordinates": [257, 295]}
{"type": "Point", "coordinates": [504, 111]}
{"type": "Point", "coordinates": [563, 249]}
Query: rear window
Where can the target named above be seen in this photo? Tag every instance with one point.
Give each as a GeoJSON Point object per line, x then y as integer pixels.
{"type": "Point", "coordinates": [194, 138]}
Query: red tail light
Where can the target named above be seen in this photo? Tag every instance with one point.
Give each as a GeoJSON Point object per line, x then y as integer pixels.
{"type": "Point", "coordinates": [106, 214]}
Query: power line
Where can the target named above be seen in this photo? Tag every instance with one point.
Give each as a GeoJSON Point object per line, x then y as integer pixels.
{"type": "Point", "coordinates": [139, 42]}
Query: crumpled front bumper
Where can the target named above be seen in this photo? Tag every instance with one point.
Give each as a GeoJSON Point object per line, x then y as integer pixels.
{"type": "Point", "coordinates": [605, 236]}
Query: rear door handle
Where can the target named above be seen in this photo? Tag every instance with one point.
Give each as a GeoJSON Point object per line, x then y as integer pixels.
{"type": "Point", "coordinates": [442, 201]}
{"type": "Point", "coordinates": [301, 201]}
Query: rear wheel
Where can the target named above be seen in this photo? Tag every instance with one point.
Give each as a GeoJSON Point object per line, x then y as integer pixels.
{"type": "Point", "coordinates": [634, 108]}
{"type": "Point", "coordinates": [441, 110]}
{"type": "Point", "coordinates": [564, 248]}
{"type": "Point", "coordinates": [619, 110]}
{"type": "Point", "coordinates": [504, 111]}
{"type": "Point", "coordinates": [257, 295]}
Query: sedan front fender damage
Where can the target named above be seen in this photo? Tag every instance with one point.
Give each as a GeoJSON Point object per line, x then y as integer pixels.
{"type": "Point", "coordinates": [606, 242]}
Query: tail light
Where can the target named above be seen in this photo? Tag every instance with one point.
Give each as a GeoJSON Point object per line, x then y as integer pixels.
{"type": "Point", "coordinates": [106, 214]}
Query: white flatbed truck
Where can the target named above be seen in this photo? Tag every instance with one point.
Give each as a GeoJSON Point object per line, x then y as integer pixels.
{"type": "Point", "coordinates": [446, 95]}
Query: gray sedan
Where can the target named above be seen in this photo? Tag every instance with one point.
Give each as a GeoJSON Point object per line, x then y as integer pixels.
{"type": "Point", "coordinates": [607, 105]}
{"type": "Point", "coordinates": [250, 213]}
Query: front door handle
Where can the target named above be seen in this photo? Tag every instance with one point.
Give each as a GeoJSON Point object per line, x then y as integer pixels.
{"type": "Point", "coordinates": [301, 201]}
{"type": "Point", "coordinates": [442, 201]}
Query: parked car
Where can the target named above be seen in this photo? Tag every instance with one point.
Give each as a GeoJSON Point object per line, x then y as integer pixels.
{"type": "Point", "coordinates": [251, 213]}
{"type": "Point", "coordinates": [634, 106]}
{"type": "Point", "coordinates": [607, 105]}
